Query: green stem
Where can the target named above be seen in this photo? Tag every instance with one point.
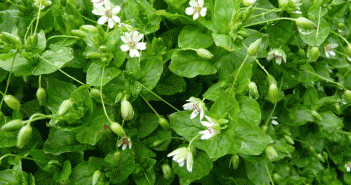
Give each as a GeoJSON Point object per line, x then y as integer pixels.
{"type": "Point", "coordinates": [236, 76]}
{"type": "Point", "coordinates": [326, 79]}
{"type": "Point", "coordinates": [269, 174]}
{"type": "Point", "coordinates": [343, 132]}
{"type": "Point", "coordinates": [6, 155]}
{"type": "Point", "coordinates": [39, 81]}
{"type": "Point", "coordinates": [69, 76]}
{"type": "Point", "coordinates": [2, 93]}
{"type": "Point", "coordinates": [258, 15]}
{"type": "Point", "coordinates": [8, 80]}
{"type": "Point", "coordinates": [102, 100]}
{"type": "Point", "coordinates": [275, 104]}
{"type": "Point", "coordinates": [280, 18]}
{"type": "Point", "coordinates": [63, 36]}
{"type": "Point", "coordinates": [192, 140]}
{"type": "Point", "coordinates": [86, 18]}
{"type": "Point", "coordinates": [262, 67]}
{"type": "Point", "coordinates": [340, 36]}
{"type": "Point", "coordinates": [147, 102]}
{"type": "Point", "coordinates": [159, 97]}
{"type": "Point", "coordinates": [319, 21]}
{"type": "Point", "coordinates": [30, 25]}
{"type": "Point", "coordinates": [36, 26]}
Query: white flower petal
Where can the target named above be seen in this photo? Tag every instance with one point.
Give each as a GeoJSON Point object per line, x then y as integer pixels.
{"type": "Point", "coordinates": [124, 39]}
{"type": "Point", "coordinates": [274, 122]}
{"type": "Point", "coordinates": [202, 113]}
{"type": "Point", "coordinates": [119, 143]}
{"type": "Point", "coordinates": [182, 162]}
{"type": "Point", "coordinates": [99, 11]}
{"type": "Point", "coordinates": [194, 114]}
{"type": "Point", "coordinates": [209, 119]}
{"type": "Point", "coordinates": [189, 11]}
{"type": "Point", "coordinates": [204, 132]}
{"type": "Point", "coordinates": [188, 106]}
{"type": "Point", "coordinates": [135, 36]}
{"type": "Point", "coordinates": [124, 147]}
{"type": "Point", "coordinates": [116, 18]}
{"type": "Point", "coordinates": [110, 23]}
{"type": "Point", "coordinates": [190, 162]}
{"type": "Point", "coordinates": [116, 10]}
{"type": "Point", "coordinates": [206, 124]}
{"type": "Point", "coordinates": [200, 3]}
{"type": "Point", "coordinates": [196, 15]}
{"type": "Point", "coordinates": [107, 4]}
{"type": "Point", "coordinates": [332, 53]}
{"type": "Point", "coordinates": [130, 144]}
{"type": "Point", "coordinates": [139, 37]}
{"type": "Point", "coordinates": [175, 152]}
{"type": "Point", "coordinates": [326, 52]}
{"type": "Point", "coordinates": [133, 53]}
{"type": "Point", "coordinates": [278, 61]}
{"type": "Point", "coordinates": [102, 20]}
{"type": "Point", "coordinates": [193, 3]}
{"type": "Point", "coordinates": [125, 48]}
{"type": "Point", "coordinates": [203, 12]}
{"type": "Point", "coordinates": [141, 46]}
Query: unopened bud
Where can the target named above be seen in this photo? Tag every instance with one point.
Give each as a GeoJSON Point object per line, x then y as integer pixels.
{"type": "Point", "coordinates": [103, 49]}
{"type": "Point", "coordinates": [118, 129]}
{"type": "Point", "coordinates": [204, 53]}
{"type": "Point", "coordinates": [277, 177]}
{"type": "Point", "coordinates": [24, 135]}
{"type": "Point", "coordinates": [79, 33]}
{"type": "Point", "coordinates": [157, 143]}
{"type": "Point", "coordinates": [119, 97]}
{"type": "Point", "coordinates": [11, 39]}
{"type": "Point", "coordinates": [302, 53]}
{"type": "Point", "coordinates": [320, 158]}
{"type": "Point", "coordinates": [348, 49]}
{"type": "Point", "coordinates": [316, 115]}
{"type": "Point", "coordinates": [65, 107]}
{"type": "Point", "coordinates": [305, 23]}
{"type": "Point", "coordinates": [41, 95]}
{"type": "Point", "coordinates": [127, 110]}
{"type": "Point", "coordinates": [93, 55]}
{"type": "Point", "coordinates": [89, 28]}
{"type": "Point", "coordinates": [96, 177]}
{"type": "Point", "coordinates": [96, 93]}
{"type": "Point", "coordinates": [289, 139]}
{"type": "Point", "coordinates": [337, 108]}
{"type": "Point", "coordinates": [325, 155]}
{"type": "Point", "coordinates": [264, 128]}
{"type": "Point", "coordinates": [12, 125]}
{"type": "Point", "coordinates": [164, 123]}
{"type": "Point", "coordinates": [347, 96]}
{"type": "Point", "coordinates": [270, 152]}
{"type": "Point", "coordinates": [273, 93]}
{"type": "Point", "coordinates": [313, 54]}
{"type": "Point", "coordinates": [235, 161]}
{"type": "Point", "coordinates": [254, 47]}
{"type": "Point", "coordinates": [167, 171]}
{"type": "Point", "coordinates": [253, 89]}
{"type": "Point", "coordinates": [12, 102]}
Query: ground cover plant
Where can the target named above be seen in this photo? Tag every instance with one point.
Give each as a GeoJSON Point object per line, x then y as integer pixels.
{"type": "Point", "coordinates": [175, 92]}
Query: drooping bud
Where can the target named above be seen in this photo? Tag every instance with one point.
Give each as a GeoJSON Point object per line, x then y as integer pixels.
{"type": "Point", "coordinates": [302, 53]}
{"type": "Point", "coordinates": [325, 155]}
{"type": "Point", "coordinates": [286, 132]}
{"type": "Point", "coordinates": [249, 2]}
{"type": "Point", "coordinates": [316, 115]}
{"type": "Point", "coordinates": [65, 107]}
{"type": "Point", "coordinates": [10, 39]}
{"type": "Point", "coordinates": [79, 33]}
{"type": "Point", "coordinates": [305, 23]}
{"type": "Point", "coordinates": [12, 125]}
{"type": "Point", "coordinates": [270, 152]}
{"type": "Point", "coordinates": [127, 110]}
{"type": "Point", "coordinates": [264, 128]}
{"type": "Point", "coordinates": [103, 49]}
{"type": "Point", "coordinates": [253, 89]}
{"type": "Point", "coordinates": [312, 149]}
{"type": "Point", "coordinates": [313, 54]}
{"type": "Point", "coordinates": [289, 139]}
{"type": "Point", "coordinates": [277, 177]}
{"type": "Point", "coordinates": [348, 49]}
{"type": "Point", "coordinates": [164, 123]}
{"type": "Point", "coordinates": [41, 95]}
{"type": "Point", "coordinates": [12, 102]}
{"type": "Point", "coordinates": [157, 143]}
{"type": "Point", "coordinates": [93, 55]}
{"type": "Point", "coordinates": [337, 108]}
{"type": "Point", "coordinates": [254, 47]}
{"type": "Point", "coordinates": [167, 171]}
{"type": "Point", "coordinates": [96, 93]}
{"type": "Point", "coordinates": [119, 97]}
{"type": "Point", "coordinates": [204, 53]}
{"type": "Point", "coordinates": [235, 161]}
{"type": "Point", "coordinates": [96, 177]}
{"type": "Point", "coordinates": [24, 135]}
{"type": "Point", "coordinates": [118, 129]}
{"type": "Point", "coordinates": [320, 158]}
{"type": "Point", "coordinates": [347, 96]}
{"type": "Point", "coordinates": [273, 93]}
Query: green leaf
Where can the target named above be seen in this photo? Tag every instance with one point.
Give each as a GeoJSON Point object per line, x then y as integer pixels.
{"type": "Point", "coordinates": [297, 116]}
{"type": "Point", "coordinates": [81, 97]}
{"type": "Point", "coordinates": [223, 10]}
{"type": "Point", "coordinates": [226, 103]}
{"type": "Point", "coordinates": [250, 110]}
{"type": "Point", "coordinates": [125, 167]}
{"type": "Point", "coordinates": [82, 174]}
{"type": "Point", "coordinates": [317, 37]}
{"type": "Point", "coordinates": [150, 72]}
{"type": "Point", "coordinates": [59, 142]}
{"type": "Point", "coordinates": [257, 171]}
{"type": "Point", "coordinates": [261, 14]}
{"type": "Point", "coordinates": [52, 60]}
{"type": "Point", "coordinates": [21, 66]}
{"type": "Point", "coordinates": [214, 92]}
{"type": "Point", "coordinates": [193, 37]}
{"type": "Point", "coordinates": [330, 121]}
{"type": "Point", "coordinates": [159, 135]}
{"type": "Point", "coordinates": [47, 162]}
{"type": "Point", "coordinates": [94, 74]}
{"type": "Point", "coordinates": [306, 73]}
{"type": "Point", "coordinates": [242, 77]}
{"type": "Point", "coordinates": [148, 122]}
{"type": "Point", "coordinates": [8, 139]}
{"type": "Point", "coordinates": [201, 167]}
{"type": "Point", "coordinates": [188, 64]}
{"type": "Point", "coordinates": [63, 176]}
{"type": "Point", "coordinates": [173, 84]}
{"type": "Point", "coordinates": [147, 175]}
{"type": "Point", "coordinates": [224, 41]}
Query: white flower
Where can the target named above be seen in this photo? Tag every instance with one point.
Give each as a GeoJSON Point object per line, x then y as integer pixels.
{"type": "Point", "coordinates": [196, 105]}
{"type": "Point", "coordinates": [274, 121]}
{"type": "Point", "coordinates": [196, 8]}
{"type": "Point", "coordinates": [108, 13]}
{"type": "Point", "coordinates": [249, 2]}
{"type": "Point", "coordinates": [132, 43]}
{"type": "Point", "coordinates": [97, 3]}
{"type": "Point", "coordinates": [297, 4]}
{"type": "Point", "coordinates": [278, 54]}
{"type": "Point", "coordinates": [348, 166]}
{"type": "Point", "coordinates": [125, 141]}
{"type": "Point", "coordinates": [182, 155]}
{"type": "Point", "coordinates": [42, 2]}
{"type": "Point", "coordinates": [328, 49]}
{"type": "Point", "coordinates": [212, 129]}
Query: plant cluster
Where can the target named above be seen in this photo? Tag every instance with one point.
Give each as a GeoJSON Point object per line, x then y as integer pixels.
{"type": "Point", "coordinates": [175, 91]}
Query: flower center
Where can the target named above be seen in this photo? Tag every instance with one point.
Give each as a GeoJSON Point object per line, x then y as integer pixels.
{"type": "Point", "coordinates": [277, 56]}
{"type": "Point", "coordinates": [132, 44]}
{"type": "Point", "coordinates": [125, 141]}
{"type": "Point", "coordinates": [211, 130]}
{"type": "Point", "coordinates": [197, 8]}
{"type": "Point", "coordinates": [108, 13]}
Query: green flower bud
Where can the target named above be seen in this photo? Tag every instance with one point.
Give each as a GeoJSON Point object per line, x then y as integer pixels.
{"type": "Point", "coordinates": [312, 149]}
{"type": "Point", "coordinates": [41, 95]}
{"type": "Point", "coordinates": [341, 26]}
{"type": "Point", "coordinates": [270, 152]}
{"type": "Point", "coordinates": [127, 110]}
{"type": "Point", "coordinates": [302, 53]}
{"type": "Point", "coordinates": [24, 135]}
{"type": "Point", "coordinates": [283, 4]}
{"type": "Point", "coordinates": [254, 47]}
{"type": "Point", "coordinates": [316, 115]}
{"type": "Point", "coordinates": [235, 161]}
{"type": "Point", "coordinates": [12, 102]}
{"type": "Point", "coordinates": [249, 2]}
{"type": "Point", "coordinates": [277, 177]}
{"type": "Point", "coordinates": [96, 93]}
{"type": "Point", "coordinates": [119, 97]}
{"type": "Point", "coordinates": [347, 96]}
{"type": "Point", "coordinates": [337, 108]}
{"type": "Point", "coordinates": [118, 129]}
{"type": "Point", "coordinates": [320, 158]}
{"type": "Point", "coordinates": [96, 177]}
{"type": "Point", "coordinates": [253, 89]}
{"type": "Point", "coordinates": [34, 39]}
{"type": "Point", "coordinates": [325, 155]}
{"type": "Point", "coordinates": [93, 55]}
{"type": "Point", "coordinates": [305, 23]}
{"type": "Point", "coordinates": [313, 54]}
{"type": "Point", "coordinates": [273, 93]}
{"type": "Point", "coordinates": [286, 132]}
{"type": "Point", "coordinates": [103, 49]}
{"type": "Point", "coordinates": [11, 39]}
{"type": "Point", "coordinates": [65, 107]}
{"type": "Point", "coordinates": [79, 33]}
{"type": "Point", "coordinates": [204, 53]}
{"type": "Point", "coordinates": [157, 143]}
{"type": "Point", "coordinates": [12, 125]}
{"type": "Point", "coordinates": [164, 123]}
{"type": "Point", "coordinates": [349, 138]}
{"type": "Point", "coordinates": [348, 49]}
{"type": "Point", "coordinates": [264, 128]}
{"type": "Point", "coordinates": [289, 139]}
{"type": "Point", "coordinates": [246, 13]}
{"type": "Point", "coordinates": [89, 28]}
{"type": "Point", "coordinates": [167, 171]}
{"type": "Point", "coordinates": [223, 85]}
